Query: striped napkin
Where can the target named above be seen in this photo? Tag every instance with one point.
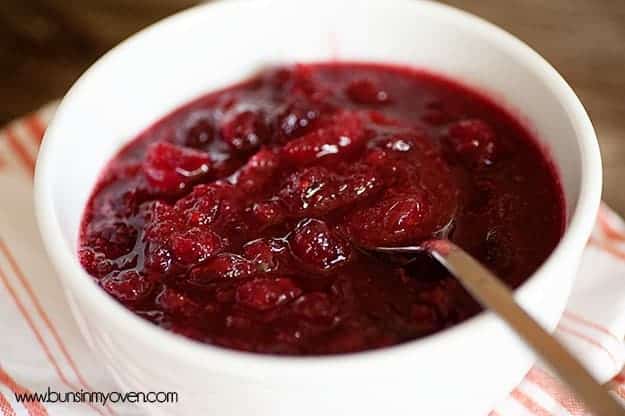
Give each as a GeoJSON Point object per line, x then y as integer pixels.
{"type": "Point", "coordinates": [41, 347]}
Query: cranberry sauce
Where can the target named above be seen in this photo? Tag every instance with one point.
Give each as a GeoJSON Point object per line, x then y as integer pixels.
{"type": "Point", "coordinates": [239, 219]}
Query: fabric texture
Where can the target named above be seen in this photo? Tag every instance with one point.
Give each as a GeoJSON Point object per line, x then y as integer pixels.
{"type": "Point", "coordinates": [41, 347]}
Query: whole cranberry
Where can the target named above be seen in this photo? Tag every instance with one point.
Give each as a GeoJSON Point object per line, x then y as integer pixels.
{"type": "Point", "coordinates": [296, 119]}
{"type": "Point", "coordinates": [366, 91]}
{"type": "Point", "coordinates": [197, 131]}
{"type": "Point", "coordinates": [244, 130]}
{"type": "Point", "coordinates": [404, 215]}
{"type": "Point", "coordinates": [195, 245]}
{"type": "Point", "coordinates": [170, 168]}
{"type": "Point", "coordinates": [258, 171]}
{"type": "Point", "coordinates": [393, 220]}
{"type": "Point", "coordinates": [264, 294]}
{"type": "Point", "coordinates": [157, 212]}
{"type": "Point", "coordinates": [95, 262]}
{"type": "Point", "coordinates": [474, 142]}
{"type": "Point", "coordinates": [315, 245]}
{"type": "Point", "coordinates": [115, 238]}
{"type": "Point", "coordinates": [158, 259]}
{"type": "Point", "coordinates": [268, 213]}
{"type": "Point", "coordinates": [318, 191]}
{"type": "Point", "coordinates": [340, 136]}
{"type": "Point", "coordinates": [205, 205]}
{"type": "Point", "coordinates": [267, 254]}
{"type": "Point", "coordinates": [127, 286]}
{"type": "Point", "coordinates": [224, 267]}
{"type": "Point", "coordinates": [177, 303]}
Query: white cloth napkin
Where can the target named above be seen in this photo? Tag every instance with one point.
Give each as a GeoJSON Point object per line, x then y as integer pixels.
{"type": "Point", "coordinates": [41, 347]}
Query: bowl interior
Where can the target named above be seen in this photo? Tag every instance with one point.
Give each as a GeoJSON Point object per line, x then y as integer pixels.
{"type": "Point", "coordinates": [198, 51]}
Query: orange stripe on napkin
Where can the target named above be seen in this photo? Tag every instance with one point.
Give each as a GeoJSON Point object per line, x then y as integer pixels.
{"type": "Point", "coordinates": [608, 248]}
{"type": "Point", "coordinates": [607, 227]}
{"type": "Point", "coordinates": [589, 340]}
{"type": "Point", "coordinates": [620, 392]}
{"type": "Point", "coordinates": [27, 161]}
{"type": "Point", "coordinates": [44, 316]}
{"type": "Point", "coordinates": [574, 317]}
{"type": "Point", "coordinates": [39, 337]}
{"type": "Point", "coordinates": [33, 408]}
{"type": "Point", "coordinates": [29, 321]}
{"type": "Point", "coordinates": [557, 391]}
{"type": "Point", "coordinates": [619, 378]}
{"type": "Point", "coordinates": [529, 403]}
{"type": "Point", "coordinates": [5, 406]}
{"type": "Point", "coordinates": [36, 127]}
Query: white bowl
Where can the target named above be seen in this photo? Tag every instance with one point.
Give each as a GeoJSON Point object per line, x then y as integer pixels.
{"type": "Point", "coordinates": [463, 370]}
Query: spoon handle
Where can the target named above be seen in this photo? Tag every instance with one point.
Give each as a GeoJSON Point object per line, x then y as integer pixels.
{"type": "Point", "coordinates": [492, 293]}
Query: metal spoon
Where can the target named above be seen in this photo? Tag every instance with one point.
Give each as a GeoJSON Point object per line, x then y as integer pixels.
{"type": "Point", "coordinates": [489, 290]}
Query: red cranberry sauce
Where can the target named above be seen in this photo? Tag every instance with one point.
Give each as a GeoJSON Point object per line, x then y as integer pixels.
{"type": "Point", "coordinates": [238, 220]}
